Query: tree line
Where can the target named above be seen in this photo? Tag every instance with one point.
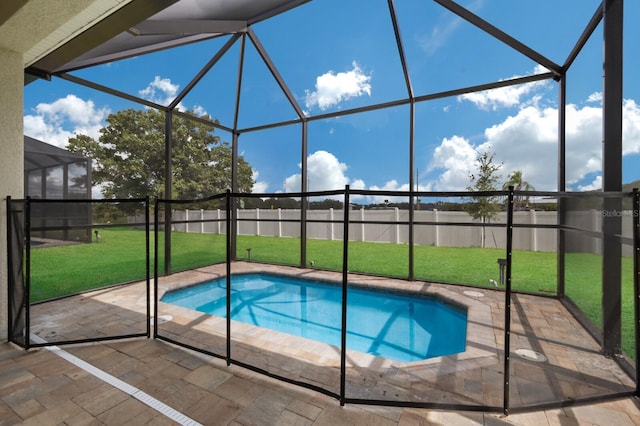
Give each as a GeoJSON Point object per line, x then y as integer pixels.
{"type": "Point", "coordinates": [129, 162]}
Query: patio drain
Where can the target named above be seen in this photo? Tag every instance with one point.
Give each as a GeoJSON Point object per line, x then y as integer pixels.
{"type": "Point", "coordinates": [125, 387]}
{"type": "Point", "coordinates": [472, 293]}
{"type": "Point", "coordinates": [530, 355]}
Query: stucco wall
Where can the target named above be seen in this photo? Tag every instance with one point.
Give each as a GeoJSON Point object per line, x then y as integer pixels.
{"type": "Point", "coordinates": [11, 157]}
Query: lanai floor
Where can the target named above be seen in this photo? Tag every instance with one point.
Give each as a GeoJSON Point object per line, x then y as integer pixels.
{"type": "Point", "coordinates": [142, 380]}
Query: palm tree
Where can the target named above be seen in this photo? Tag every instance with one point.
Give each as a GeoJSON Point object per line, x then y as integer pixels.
{"type": "Point", "coordinates": [515, 179]}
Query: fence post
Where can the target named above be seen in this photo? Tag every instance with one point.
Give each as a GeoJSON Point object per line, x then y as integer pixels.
{"type": "Point", "coordinates": [397, 217]}
{"type": "Point", "coordinates": [636, 281]}
{"type": "Point", "coordinates": [436, 232]}
{"type": "Point", "coordinates": [331, 237]}
{"type": "Point", "coordinates": [362, 224]}
{"type": "Point", "coordinates": [186, 221]}
{"type": "Point", "coordinates": [279, 222]}
{"type": "Point", "coordinates": [595, 224]}
{"type": "Point", "coordinates": [257, 221]}
{"type": "Point", "coordinates": [507, 305]}
{"type": "Point", "coordinates": [27, 272]}
{"type": "Point", "coordinates": [534, 231]}
{"type": "Point", "coordinates": [202, 221]}
{"type": "Point", "coordinates": [156, 231]}
{"type": "Point", "coordinates": [345, 277]}
{"type": "Point", "coordinates": [229, 257]}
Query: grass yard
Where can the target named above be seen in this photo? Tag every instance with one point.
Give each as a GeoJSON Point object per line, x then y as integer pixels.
{"type": "Point", "coordinates": [120, 257]}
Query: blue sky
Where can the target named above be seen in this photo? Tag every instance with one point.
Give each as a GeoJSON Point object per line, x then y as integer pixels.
{"type": "Point", "coordinates": [336, 55]}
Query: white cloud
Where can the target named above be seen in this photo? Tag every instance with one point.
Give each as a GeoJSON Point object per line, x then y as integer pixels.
{"type": "Point", "coordinates": [56, 122]}
{"type": "Point", "coordinates": [160, 90]}
{"type": "Point", "coordinates": [325, 173]}
{"type": "Point", "coordinates": [200, 111]}
{"type": "Point", "coordinates": [456, 156]}
{"type": "Point", "coordinates": [593, 186]}
{"type": "Point", "coordinates": [333, 88]}
{"type": "Point", "coordinates": [509, 96]}
{"type": "Point", "coordinates": [258, 186]}
{"type": "Point", "coordinates": [630, 127]}
{"type": "Point", "coordinates": [527, 141]}
{"type": "Point", "coordinates": [394, 185]}
{"type": "Point", "coordinates": [595, 97]}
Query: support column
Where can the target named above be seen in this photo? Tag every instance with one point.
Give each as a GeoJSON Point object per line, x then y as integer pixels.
{"type": "Point", "coordinates": [562, 185]}
{"type": "Point", "coordinates": [168, 185]}
{"type": "Point", "coordinates": [612, 176]}
{"type": "Point", "coordinates": [11, 160]}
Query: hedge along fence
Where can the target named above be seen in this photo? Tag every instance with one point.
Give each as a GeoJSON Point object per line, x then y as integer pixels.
{"type": "Point", "coordinates": [285, 223]}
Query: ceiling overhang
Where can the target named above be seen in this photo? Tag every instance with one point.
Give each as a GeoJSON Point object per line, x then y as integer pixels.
{"type": "Point", "coordinates": [144, 26]}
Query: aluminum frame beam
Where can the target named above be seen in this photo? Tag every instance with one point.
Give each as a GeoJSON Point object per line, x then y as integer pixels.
{"type": "Point", "coordinates": [612, 176]}
{"type": "Point", "coordinates": [275, 73]}
{"type": "Point", "coordinates": [500, 35]}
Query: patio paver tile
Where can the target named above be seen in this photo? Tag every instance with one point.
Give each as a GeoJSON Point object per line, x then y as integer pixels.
{"type": "Point", "coordinates": [288, 418]}
{"type": "Point", "coordinates": [55, 415]}
{"type": "Point", "coordinates": [125, 412]}
{"type": "Point", "coordinates": [28, 408]}
{"type": "Point", "coordinates": [241, 391]}
{"type": "Point", "coordinates": [265, 409]}
{"type": "Point", "coordinates": [100, 399]}
{"type": "Point", "coordinates": [304, 409]}
{"type": "Point", "coordinates": [207, 377]}
{"type": "Point", "coordinates": [214, 409]}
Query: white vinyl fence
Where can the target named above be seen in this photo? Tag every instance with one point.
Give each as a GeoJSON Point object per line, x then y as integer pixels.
{"type": "Point", "coordinates": [286, 223]}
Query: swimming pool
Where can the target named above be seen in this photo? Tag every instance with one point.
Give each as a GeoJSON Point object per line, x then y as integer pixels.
{"type": "Point", "coordinates": [389, 325]}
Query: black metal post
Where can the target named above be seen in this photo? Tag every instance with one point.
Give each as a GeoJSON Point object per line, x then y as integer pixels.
{"type": "Point", "coordinates": [612, 177]}
{"type": "Point", "coordinates": [233, 234]}
{"type": "Point", "coordinates": [148, 266]}
{"type": "Point", "coordinates": [156, 232]}
{"type": "Point", "coordinates": [10, 275]}
{"type": "Point", "coordinates": [345, 279]}
{"type": "Point", "coordinates": [562, 185]}
{"type": "Point", "coordinates": [168, 183]}
{"type": "Point", "coordinates": [412, 117]}
{"type": "Point", "coordinates": [27, 273]}
{"type": "Point", "coordinates": [65, 209]}
{"type": "Point", "coordinates": [507, 305]}
{"type": "Point", "coordinates": [304, 201]}
{"type": "Point", "coordinates": [412, 112]}
{"type": "Point", "coordinates": [233, 218]}
{"type": "Point", "coordinates": [229, 258]}
{"type": "Point", "coordinates": [636, 281]}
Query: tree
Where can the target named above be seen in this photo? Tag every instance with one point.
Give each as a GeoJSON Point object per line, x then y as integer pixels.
{"type": "Point", "coordinates": [484, 208]}
{"type": "Point", "coordinates": [129, 157]}
{"type": "Point", "coordinates": [515, 179]}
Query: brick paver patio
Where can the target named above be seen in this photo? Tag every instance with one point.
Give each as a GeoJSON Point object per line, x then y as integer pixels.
{"type": "Point", "coordinates": [40, 387]}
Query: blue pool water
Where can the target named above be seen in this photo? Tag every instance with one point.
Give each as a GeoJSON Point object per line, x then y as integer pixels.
{"type": "Point", "coordinates": [384, 324]}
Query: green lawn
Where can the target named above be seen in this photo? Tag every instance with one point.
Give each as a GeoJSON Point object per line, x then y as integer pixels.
{"type": "Point", "coordinates": [119, 257]}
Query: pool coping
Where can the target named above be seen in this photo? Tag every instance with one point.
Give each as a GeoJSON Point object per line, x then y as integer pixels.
{"type": "Point", "coordinates": [481, 344]}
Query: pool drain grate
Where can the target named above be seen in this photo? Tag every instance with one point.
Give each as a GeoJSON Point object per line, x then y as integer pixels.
{"type": "Point", "coordinates": [141, 396]}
